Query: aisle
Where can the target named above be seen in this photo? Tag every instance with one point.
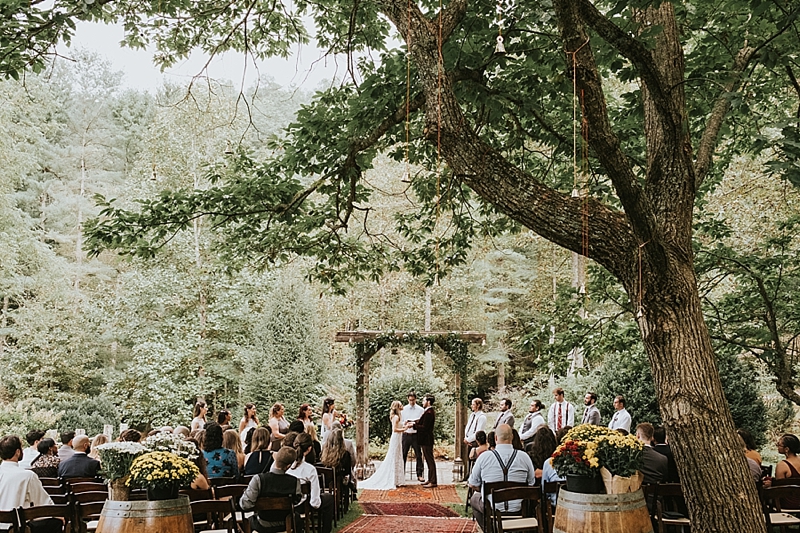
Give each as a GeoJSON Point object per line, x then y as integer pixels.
{"type": "Point", "coordinates": [410, 509]}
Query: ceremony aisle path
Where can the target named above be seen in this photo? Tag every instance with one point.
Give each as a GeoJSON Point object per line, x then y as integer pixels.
{"type": "Point", "coordinates": [411, 509]}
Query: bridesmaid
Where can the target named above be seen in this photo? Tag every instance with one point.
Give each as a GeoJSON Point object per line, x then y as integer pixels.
{"type": "Point", "coordinates": [249, 420]}
{"type": "Point", "coordinates": [199, 420]}
{"type": "Point", "coordinates": [305, 415]}
{"type": "Point", "coordinates": [279, 426]}
{"type": "Point", "coordinates": [328, 416]}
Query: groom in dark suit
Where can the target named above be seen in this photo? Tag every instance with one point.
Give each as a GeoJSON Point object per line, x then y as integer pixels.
{"type": "Point", "coordinates": [424, 427]}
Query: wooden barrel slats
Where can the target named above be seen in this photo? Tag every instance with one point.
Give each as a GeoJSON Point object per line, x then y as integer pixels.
{"type": "Point", "coordinates": [164, 516]}
{"type": "Point", "coordinates": [602, 513]}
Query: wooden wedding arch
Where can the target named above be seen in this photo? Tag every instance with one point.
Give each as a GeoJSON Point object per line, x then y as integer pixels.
{"type": "Point", "coordinates": [367, 343]}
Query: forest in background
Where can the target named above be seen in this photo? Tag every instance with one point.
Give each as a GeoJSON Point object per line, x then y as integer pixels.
{"type": "Point", "coordinates": [87, 341]}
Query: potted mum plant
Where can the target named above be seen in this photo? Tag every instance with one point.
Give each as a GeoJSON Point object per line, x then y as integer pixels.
{"type": "Point", "coordinates": [620, 458]}
{"type": "Point", "coordinates": [574, 460]}
{"type": "Point", "coordinates": [117, 458]}
{"type": "Point", "coordinates": [162, 474]}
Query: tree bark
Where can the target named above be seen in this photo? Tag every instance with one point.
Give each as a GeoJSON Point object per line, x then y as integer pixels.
{"type": "Point", "coordinates": [648, 247]}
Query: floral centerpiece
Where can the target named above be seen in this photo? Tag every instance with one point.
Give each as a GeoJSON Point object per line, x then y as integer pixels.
{"type": "Point", "coordinates": [162, 474]}
{"type": "Point", "coordinates": [117, 458]}
{"type": "Point", "coordinates": [596, 452]}
{"type": "Point", "coordinates": [170, 442]}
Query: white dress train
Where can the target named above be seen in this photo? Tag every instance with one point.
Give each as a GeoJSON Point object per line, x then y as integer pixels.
{"type": "Point", "coordinates": [390, 474]}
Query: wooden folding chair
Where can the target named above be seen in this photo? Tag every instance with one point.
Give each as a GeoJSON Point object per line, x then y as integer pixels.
{"type": "Point", "coordinates": [220, 481]}
{"type": "Point", "coordinates": [278, 503]}
{"type": "Point", "coordinates": [55, 489]}
{"type": "Point", "coordinates": [487, 488]}
{"type": "Point", "coordinates": [87, 515]}
{"type": "Point", "coordinates": [772, 499]}
{"type": "Point", "coordinates": [329, 484]}
{"type": "Point", "coordinates": [218, 516]}
{"type": "Point", "coordinates": [88, 486]}
{"type": "Point", "coordinates": [548, 511]}
{"type": "Point", "coordinates": [528, 519]}
{"type": "Point", "coordinates": [234, 493]}
{"type": "Point", "coordinates": [198, 494]}
{"type": "Point", "coordinates": [307, 513]}
{"type": "Point", "coordinates": [48, 481]}
{"type": "Point", "coordinates": [58, 513]}
{"type": "Point", "coordinates": [9, 520]}
{"type": "Point", "coordinates": [670, 507]}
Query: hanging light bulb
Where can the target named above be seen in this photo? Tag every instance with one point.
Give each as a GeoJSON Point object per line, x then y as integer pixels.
{"type": "Point", "coordinates": [640, 312]}
{"type": "Point", "coordinates": [582, 290]}
{"type": "Point", "coordinates": [228, 148]}
{"type": "Point", "coordinates": [499, 49]}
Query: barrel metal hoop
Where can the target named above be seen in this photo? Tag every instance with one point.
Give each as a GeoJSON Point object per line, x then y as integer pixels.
{"type": "Point", "coordinates": [601, 508]}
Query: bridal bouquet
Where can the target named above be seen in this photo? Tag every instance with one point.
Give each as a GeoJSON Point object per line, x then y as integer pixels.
{"type": "Point", "coordinates": [346, 422]}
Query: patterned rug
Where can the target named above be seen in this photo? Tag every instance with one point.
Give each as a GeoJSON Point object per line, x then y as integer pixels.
{"type": "Point", "coordinates": [408, 509]}
{"type": "Point", "coordinates": [410, 524]}
{"type": "Point", "coordinates": [412, 494]}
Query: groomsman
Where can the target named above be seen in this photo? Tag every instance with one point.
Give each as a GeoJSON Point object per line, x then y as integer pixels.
{"type": "Point", "coordinates": [532, 422]}
{"type": "Point", "coordinates": [591, 414]}
{"type": "Point", "coordinates": [476, 422]}
{"type": "Point", "coordinates": [411, 413]}
{"type": "Point", "coordinates": [505, 416]}
{"type": "Point", "coordinates": [622, 418]}
{"type": "Point", "coordinates": [562, 413]}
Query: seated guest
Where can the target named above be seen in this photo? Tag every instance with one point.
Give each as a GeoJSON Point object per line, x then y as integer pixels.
{"type": "Point", "coordinates": [32, 451]}
{"type": "Point", "coordinates": [98, 440]}
{"type": "Point", "coordinates": [20, 487]}
{"type": "Point", "coordinates": [483, 444]}
{"type": "Point", "coordinates": [660, 445]}
{"type": "Point", "coordinates": [248, 441]}
{"type": "Point", "coordinates": [201, 481]}
{"type": "Point", "coordinates": [224, 419]}
{"type": "Point", "coordinates": [542, 447]}
{"type": "Point", "coordinates": [297, 426]}
{"type": "Point", "coordinates": [755, 468]}
{"type": "Point", "coordinates": [273, 483]}
{"type": "Point", "coordinates": [516, 441]}
{"type": "Point", "coordinates": [312, 430]}
{"type": "Point", "coordinates": [350, 446]}
{"type": "Point", "coordinates": [750, 443]}
{"type": "Point", "coordinates": [80, 464]}
{"type": "Point", "coordinates": [221, 461]}
{"type": "Point", "coordinates": [130, 435]}
{"type": "Point", "coordinates": [304, 470]}
{"type": "Point", "coordinates": [336, 456]}
{"type": "Point", "coordinates": [46, 463]}
{"type": "Point", "coordinates": [490, 440]}
{"type": "Point", "coordinates": [260, 459]}
{"type": "Point", "coordinates": [231, 441]}
{"type": "Point", "coordinates": [183, 431]}
{"type": "Point", "coordinates": [561, 433]}
{"type": "Point", "coordinates": [66, 450]}
{"type": "Point", "coordinates": [654, 465]}
{"type": "Point", "coordinates": [489, 468]}
{"type": "Point", "coordinates": [549, 475]}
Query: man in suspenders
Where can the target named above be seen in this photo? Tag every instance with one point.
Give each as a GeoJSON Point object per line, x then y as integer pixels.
{"type": "Point", "coordinates": [504, 463]}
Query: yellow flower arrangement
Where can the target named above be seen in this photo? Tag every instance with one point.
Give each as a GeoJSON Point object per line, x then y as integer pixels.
{"type": "Point", "coordinates": [162, 470]}
{"type": "Point", "coordinates": [588, 448]}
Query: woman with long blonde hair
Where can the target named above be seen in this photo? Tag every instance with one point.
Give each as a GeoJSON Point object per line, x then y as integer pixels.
{"type": "Point", "coordinates": [336, 456]}
{"type": "Point", "coordinates": [390, 473]}
{"type": "Point", "coordinates": [231, 441]}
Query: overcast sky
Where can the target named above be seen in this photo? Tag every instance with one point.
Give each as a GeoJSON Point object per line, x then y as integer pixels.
{"type": "Point", "coordinates": [305, 69]}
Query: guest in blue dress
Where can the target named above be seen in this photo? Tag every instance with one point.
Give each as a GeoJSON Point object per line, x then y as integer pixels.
{"type": "Point", "coordinates": [221, 461]}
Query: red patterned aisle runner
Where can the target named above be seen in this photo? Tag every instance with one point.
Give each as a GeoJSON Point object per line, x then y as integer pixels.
{"type": "Point", "coordinates": [406, 524]}
{"type": "Point", "coordinates": [408, 509]}
{"type": "Point", "coordinates": [412, 494]}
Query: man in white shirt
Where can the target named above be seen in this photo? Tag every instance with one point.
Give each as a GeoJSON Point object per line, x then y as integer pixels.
{"type": "Point", "coordinates": [591, 414]}
{"type": "Point", "coordinates": [505, 416]}
{"type": "Point", "coordinates": [476, 422]}
{"type": "Point", "coordinates": [562, 413]}
{"type": "Point", "coordinates": [31, 452]}
{"type": "Point", "coordinates": [621, 419]}
{"type": "Point", "coordinates": [323, 503]}
{"type": "Point", "coordinates": [411, 413]}
{"type": "Point", "coordinates": [504, 463]}
{"type": "Point", "coordinates": [20, 487]}
{"type": "Point", "coordinates": [532, 422]}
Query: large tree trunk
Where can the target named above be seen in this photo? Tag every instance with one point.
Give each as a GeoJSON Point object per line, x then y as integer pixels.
{"type": "Point", "coordinates": [648, 247]}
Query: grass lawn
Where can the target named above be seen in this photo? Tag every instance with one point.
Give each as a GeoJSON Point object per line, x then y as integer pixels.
{"type": "Point", "coordinates": [460, 508]}
{"type": "Point", "coordinates": [354, 512]}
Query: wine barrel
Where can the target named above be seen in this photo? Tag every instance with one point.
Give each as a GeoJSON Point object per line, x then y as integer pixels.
{"type": "Point", "coordinates": [163, 516]}
{"type": "Point", "coordinates": [602, 513]}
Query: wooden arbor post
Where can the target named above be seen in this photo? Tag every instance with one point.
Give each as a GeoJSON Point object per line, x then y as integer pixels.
{"type": "Point", "coordinates": [363, 355]}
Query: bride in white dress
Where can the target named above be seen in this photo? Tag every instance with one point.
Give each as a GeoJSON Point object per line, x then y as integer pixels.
{"type": "Point", "coordinates": [390, 474]}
